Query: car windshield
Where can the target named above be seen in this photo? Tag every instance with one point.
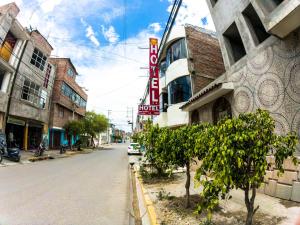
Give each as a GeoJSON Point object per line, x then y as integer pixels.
{"type": "Point", "coordinates": [135, 145]}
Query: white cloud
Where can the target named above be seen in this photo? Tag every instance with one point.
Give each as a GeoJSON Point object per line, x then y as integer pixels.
{"type": "Point", "coordinates": [156, 27]}
{"type": "Point", "coordinates": [192, 12]}
{"type": "Point", "coordinates": [110, 34]}
{"type": "Point", "coordinates": [48, 6]}
{"type": "Point", "coordinates": [91, 35]}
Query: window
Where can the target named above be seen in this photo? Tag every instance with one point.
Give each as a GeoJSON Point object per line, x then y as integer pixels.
{"type": "Point", "coordinates": [213, 2]}
{"type": "Point", "coordinates": [7, 46]}
{"type": "Point", "coordinates": [70, 93]}
{"type": "Point", "coordinates": [255, 23]}
{"type": "Point", "coordinates": [38, 59]}
{"type": "Point", "coordinates": [235, 44]}
{"type": "Point", "coordinates": [1, 79]}
{"type": "Point", "coordinates": [61, 112]}
{"type": "Point", "coordinates": [43, 99]}
{"type": "Point", "coordinates": [30, 92]}
{"type": "Point", "coordinates": [162, 68]}
{"type": "Point", "coordinates": [179, 90]}
{"type": "Point", "coordinates": [270, 5]}
{"type": "Point", "coordinates": [163, 102]}
{"type": "Point", "coordinates": [176, 51]}
{"type": "Point", "coordinates": [70, 72]}
{"type": "Point", "coordinates": [47, 76]}
{"type": "Point", "coordinates": [221, 109]}
{"type": "Point", "coordinates": [195, 117]}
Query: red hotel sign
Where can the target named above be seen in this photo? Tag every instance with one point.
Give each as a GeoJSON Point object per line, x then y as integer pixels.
{"type": "Point", "coordinates": [148, 110]}
{"type": "Point", "coordinates": [153, 108]}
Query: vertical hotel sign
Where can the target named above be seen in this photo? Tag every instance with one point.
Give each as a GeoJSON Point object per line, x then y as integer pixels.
{"type": "Point", "coordinates": [153, 108]}
{"type": "Point", "coordinates": [154, 77]}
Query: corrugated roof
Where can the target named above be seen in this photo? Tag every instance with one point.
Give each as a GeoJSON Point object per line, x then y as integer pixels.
{"type": "Point", "coordinates": [213, 85]}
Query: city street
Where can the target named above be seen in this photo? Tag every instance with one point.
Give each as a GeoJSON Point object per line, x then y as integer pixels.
{"type": "Point", "coordinates": [83, 189]}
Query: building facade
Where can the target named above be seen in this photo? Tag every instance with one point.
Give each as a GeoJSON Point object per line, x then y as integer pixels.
{"type": "Point", "coordinates": [190, 59]}
{"type": "Point", "coordinates": [260, 43]}
{"type": "Point", "coordinates": [12, 41]}
{"type": "Point", "coordinates": [26, 82]}
{"type": "Point", "coordinates": [68, 101]}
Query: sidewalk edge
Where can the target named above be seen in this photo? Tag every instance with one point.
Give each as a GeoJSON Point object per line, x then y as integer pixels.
{"type": "Point", "coordinates": [148, 202]}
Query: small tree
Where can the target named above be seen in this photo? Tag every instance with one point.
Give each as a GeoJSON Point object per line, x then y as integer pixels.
{"type": "Point", "coordinates": [155, 141]}
{"type": "Point", "coordinates": [182, 152]}
{"type": "Point", "coordinates": [73, 127]}
{"type": "Point", "coordinates": [94, 124]}
{"type": "Point", "coordinates": [236, 158]}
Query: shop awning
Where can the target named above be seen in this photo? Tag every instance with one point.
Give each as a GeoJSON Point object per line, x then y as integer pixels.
{"type": "Point", "coordinates": [208, 94]}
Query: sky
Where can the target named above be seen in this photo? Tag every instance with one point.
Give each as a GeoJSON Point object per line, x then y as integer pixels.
{"type": "Point", "coordinates": [104, 38]}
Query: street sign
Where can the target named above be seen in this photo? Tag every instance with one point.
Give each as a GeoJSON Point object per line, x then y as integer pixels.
{"type": "Point", "coordinates": [153, 108]}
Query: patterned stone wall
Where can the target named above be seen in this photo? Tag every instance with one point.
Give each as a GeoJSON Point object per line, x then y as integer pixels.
{"type": "Point", "coordinates": [271, 80]}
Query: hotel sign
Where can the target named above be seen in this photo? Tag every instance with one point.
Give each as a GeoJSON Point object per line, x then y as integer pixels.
{"type": "Point", "coordinates": [153, 108]}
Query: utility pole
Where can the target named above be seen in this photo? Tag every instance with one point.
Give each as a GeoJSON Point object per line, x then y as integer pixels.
{"type": "Point", "coordinates": [108, 113]}
{"type": "Point", "coordinates": [13, 83]}
{"type": "Point", "coordinates": [132, 119]}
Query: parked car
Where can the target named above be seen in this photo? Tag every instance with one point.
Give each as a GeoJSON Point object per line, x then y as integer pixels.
{"type": "Point", "coordinates": [12, 152]}
{"type": "Point", "coordinates": [134, 149]}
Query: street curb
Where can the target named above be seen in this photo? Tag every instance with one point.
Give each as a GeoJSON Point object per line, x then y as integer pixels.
{"type": "Point", "coordinates": [48, 157]}
{"type": "Point", "coordinates": [148, 202]}
{"type": "Point", "coordinates": [34, 159]}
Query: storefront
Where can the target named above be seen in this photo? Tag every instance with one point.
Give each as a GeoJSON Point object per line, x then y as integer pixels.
{"type": "Point", "coordinates": [27, 135]}
{"type": "Point", "coordinates": [59, 137]}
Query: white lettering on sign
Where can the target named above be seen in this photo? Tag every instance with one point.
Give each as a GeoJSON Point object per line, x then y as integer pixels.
{"type": "Point", "coordinates": [154, 83]}
{"type": "Point", "coordinates": [154, 49]}
{"type": "Point", "coordinates": [153, 59]}
{"type": "Point", "coordinates": [154, 99]}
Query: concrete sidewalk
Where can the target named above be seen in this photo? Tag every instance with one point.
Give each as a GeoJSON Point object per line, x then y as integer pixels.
{"type": "Point", "coordinates": [269, 206]}
{"type": "Point", "coordinates": [28, 156]}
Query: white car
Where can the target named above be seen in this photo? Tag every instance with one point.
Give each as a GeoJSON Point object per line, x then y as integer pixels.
{"type": "Point", "coordinates": [134, 149]}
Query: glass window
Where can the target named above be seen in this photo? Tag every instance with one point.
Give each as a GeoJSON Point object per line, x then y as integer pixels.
{"type": "Point", "coordinates": [70, 72]}
{"type": "Point", "coordinates": [179, 90]}
{"type": "Point", "coordinates": [162, 68]}
{"type": "Point", "coordinates": [43, 99]}
{"type": "Point", "coordinates": [70, 93]}
{"type": "Point", "coordinates": [31, 91]}
{"type": "Point", "coordinates": [47, 76]}
{"type": "Point", "coordinates": [38, 59]}
{"type": "Point", "coordinates": [1, 79]}
{"type": "Point", "coordinates": [163, 102]}
{"type": "Point", "coordinates": [176, 51]}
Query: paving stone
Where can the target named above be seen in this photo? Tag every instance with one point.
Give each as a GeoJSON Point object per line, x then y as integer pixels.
{"type": "Point", "coordinates": [261, 189]}
{"type": "Point", "coordinates": [270, 159]}
{"type": "Point", "coordinates": [275, 174]}
{"type": "Point", "coordinates": [268, 175]}
{"type": "Point", "coordinates": [289, 165]}
{"type": "Point", "coordinates": [284, 191]}
{"type": "Point", "coordinates": [288, 177]}
{"type": "Point", "coordinates": [296, 192]}
{"type": "Point", "coordinates": [270, 187]}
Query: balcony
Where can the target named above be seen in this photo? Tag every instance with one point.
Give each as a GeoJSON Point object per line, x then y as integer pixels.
{"type": "Point", "coordinates": [280, 17]}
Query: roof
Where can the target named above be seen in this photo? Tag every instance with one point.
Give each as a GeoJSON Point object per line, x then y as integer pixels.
{"type": "Point", "coordinates": [202, 30]}
{"type": "Point", "coordinates": [212, 86]}
{"type": "Point", "coordinates": [36, 31]}
{"type": "Point", "coordinates": [68, 59]}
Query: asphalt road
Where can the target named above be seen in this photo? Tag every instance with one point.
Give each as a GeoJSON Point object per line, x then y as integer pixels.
{"type": "Point", "coordinates": [86, 189]}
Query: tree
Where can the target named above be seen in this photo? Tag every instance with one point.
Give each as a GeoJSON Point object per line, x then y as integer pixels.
{"type": "Point", "coordinates": [155, 141]}
{"type": "Point", "coordinates": [94, 124]}
{"type": "Point", "coordinates": [181, 146]}
{"type": "Point", "coordinates": [73, 127]}
{"type": "Point", "coordinates": [236, 158]}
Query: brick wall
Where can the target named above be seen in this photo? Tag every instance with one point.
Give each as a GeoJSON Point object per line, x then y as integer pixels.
{"type": "Point", "coordinates": [205, 58]}
{"type": "Point", "coordinates": [60, 115]}
{"type": "Point", "coordinates": [59, 100]}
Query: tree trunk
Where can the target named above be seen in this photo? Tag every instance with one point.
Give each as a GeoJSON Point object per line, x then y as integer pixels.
{"type": "Point", "coordinates": [93, 144]}
{"type": "Point", "coordinates": [187, 185]}
{"type": "Point", "coordinates": [250, 205]}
